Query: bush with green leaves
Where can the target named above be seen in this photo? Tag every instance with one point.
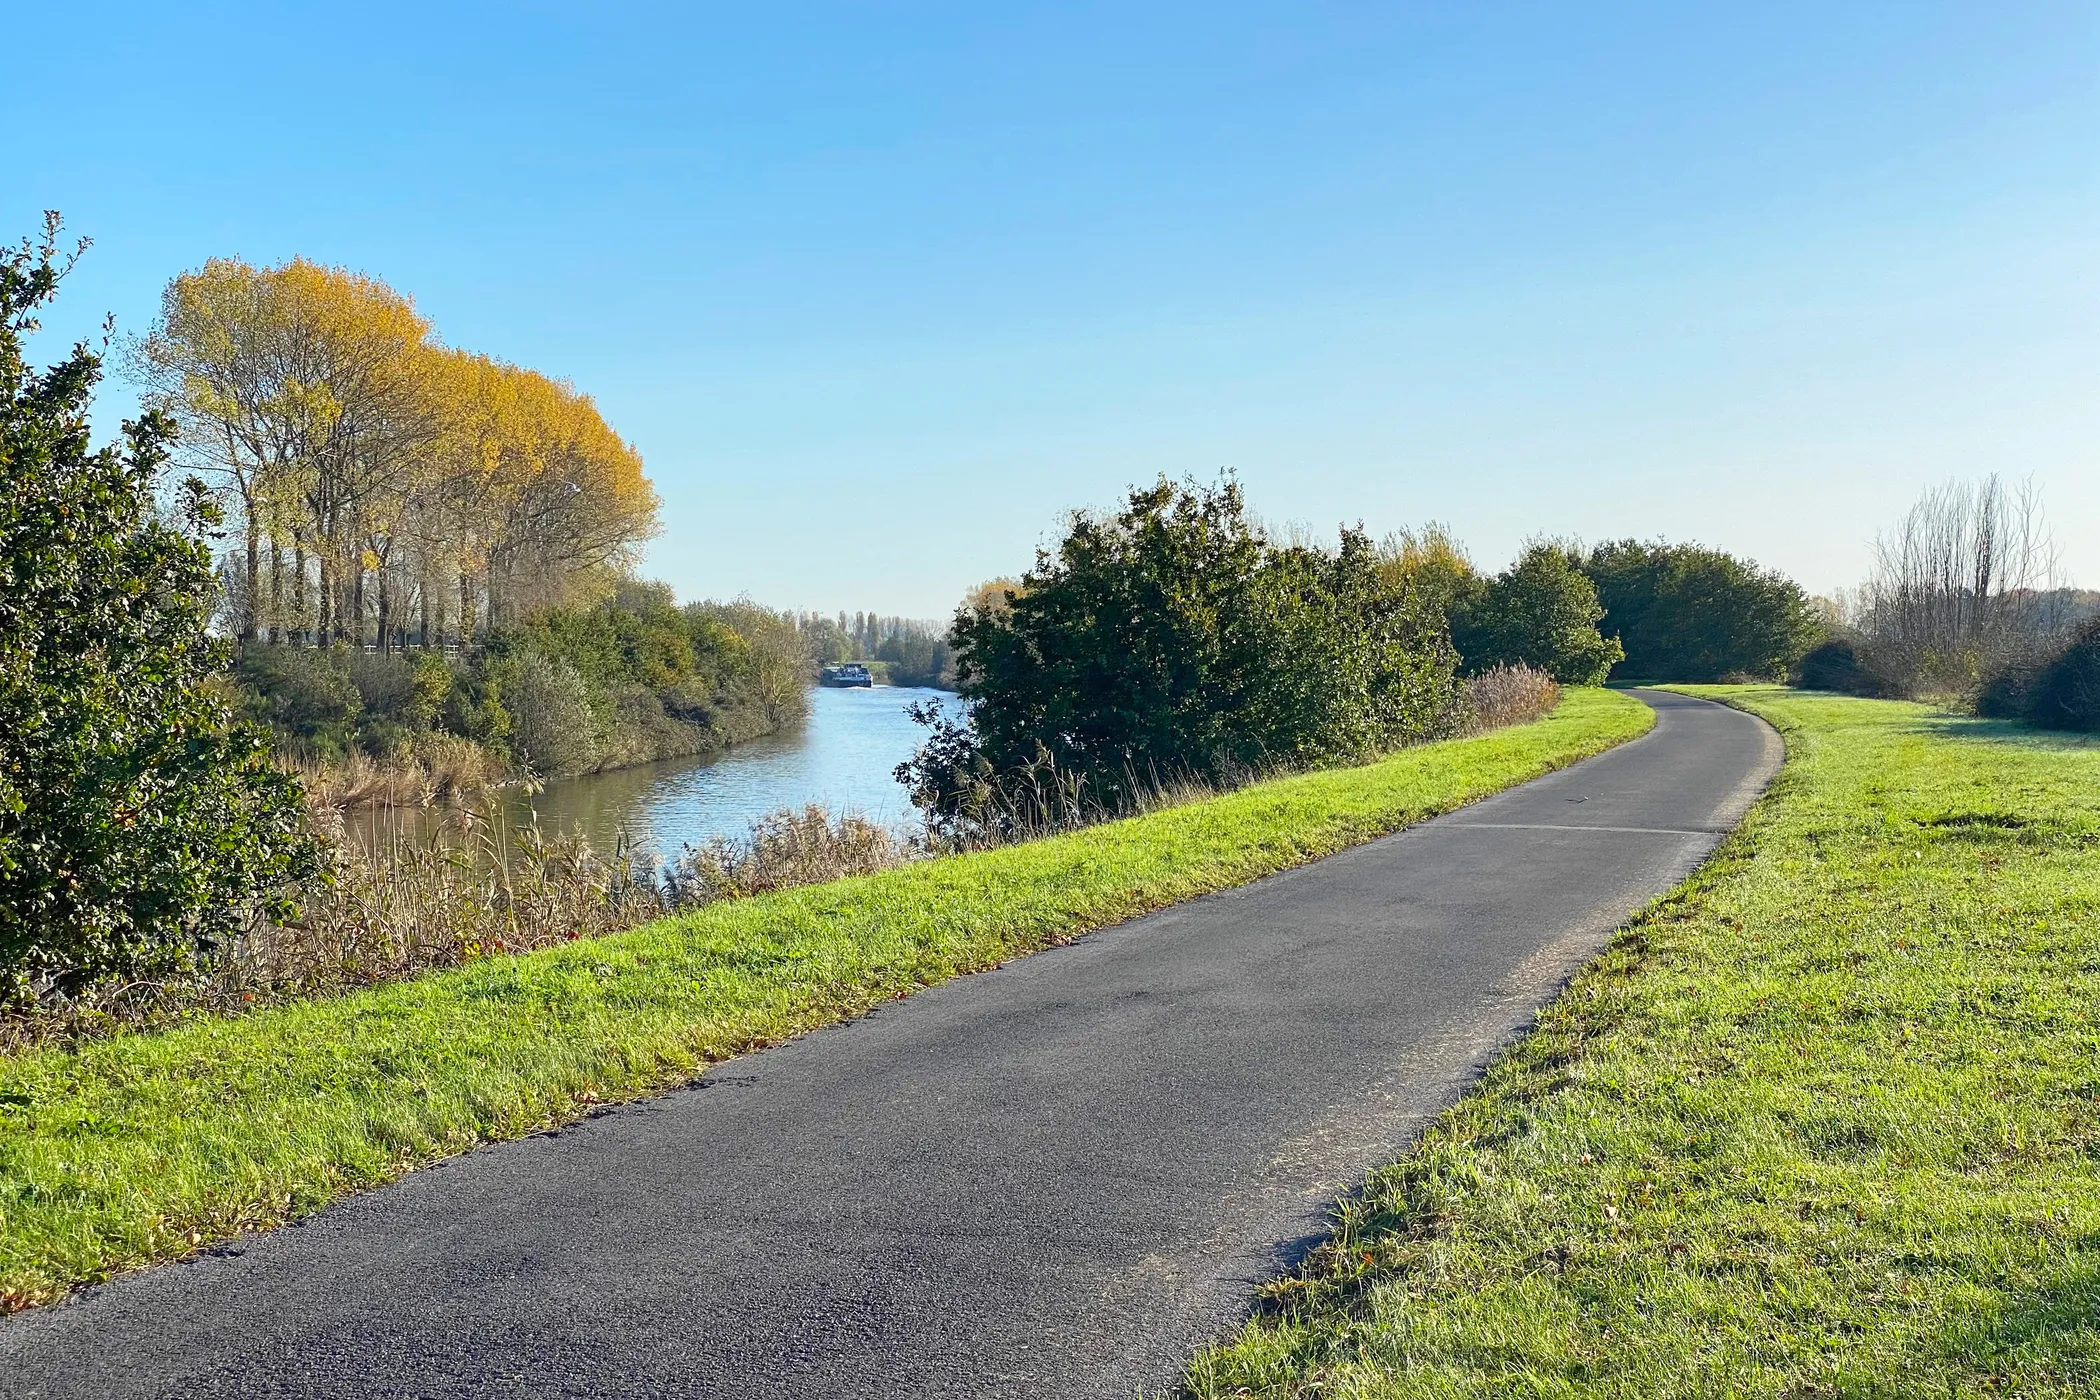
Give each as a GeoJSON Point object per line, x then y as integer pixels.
{"type": "Point", "coordinates": [917, 654]}
{"type": "Point", "coordinates": [1173, 641]}
{"type": "Point", "coordinates": [2066, 693]}
{"type": "Point", "coordinates": [552, 728]}
{"type": "Point", "coordinates": [657, 681]}
{"type": "Point", "coordinates": [1540, 612]}
{"type": "Point", "coordinates": [139, 824]}
{"type": "Point", "coordinates": [1687, 613]}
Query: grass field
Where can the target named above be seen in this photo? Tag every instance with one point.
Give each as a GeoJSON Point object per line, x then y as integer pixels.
{"type": "Point", "coordinates": [1824, 1123]}
{"type": "Point", "coordinates": [140, 1148]}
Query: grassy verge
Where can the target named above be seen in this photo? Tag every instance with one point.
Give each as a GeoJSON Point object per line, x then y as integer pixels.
{"type": "Point", "coordinates": [140, 1148]}
{"type": "Point", "coordinates": [1825, 1122]}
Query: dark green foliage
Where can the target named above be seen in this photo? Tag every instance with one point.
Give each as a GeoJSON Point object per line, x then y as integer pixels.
{"type": "Point", "coordinates": [632, 679]}
{"type": "Point", "coordinates": [1834, 665]}
{"type": "Point", "coordinates": [917, 655]}
{"type": "Point", "coordinates": [1541, 612]}
{"type": "Point", "coordinates": [2062, 692]}
{"type": "Point", "coordinates": [2066, 694]}
{"type": "Point", "coordinates": [1173, 641]}
{"type": "Point", "coordinates": [138, 824]}
{"type": "Point", "coordinates": [1684, 613]}
{"type": "Point", "coordinates": [303, 693]}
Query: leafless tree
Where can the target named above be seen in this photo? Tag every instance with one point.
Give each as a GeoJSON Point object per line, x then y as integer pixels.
{"type": "Point", "coordinates": [1964, 586]}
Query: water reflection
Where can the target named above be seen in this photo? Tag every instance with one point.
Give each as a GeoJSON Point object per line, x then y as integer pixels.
{"type": "Point", "coordinates": [842, 757]}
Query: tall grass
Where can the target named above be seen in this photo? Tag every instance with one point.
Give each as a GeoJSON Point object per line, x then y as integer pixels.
{"type": "Point", "coordinates": [467, 887]}
{"type": "Point", "coordinates": [437, 768]}
{"type": "Point", "coordinates": [1506, 695]}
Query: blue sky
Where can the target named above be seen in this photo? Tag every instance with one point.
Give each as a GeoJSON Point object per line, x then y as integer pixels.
{"type": "Point", "coordinates": [880, 290]}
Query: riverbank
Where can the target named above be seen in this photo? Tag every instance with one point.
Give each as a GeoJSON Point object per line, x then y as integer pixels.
{"type": "Point", "coordinates": [1822, 1123]}
{"type": "Point", "coordinates": [119, 1153]}
{"type": "Point", "coordinates": [630, 680]}
{"type": "Point", "coordinates": [434, 769]}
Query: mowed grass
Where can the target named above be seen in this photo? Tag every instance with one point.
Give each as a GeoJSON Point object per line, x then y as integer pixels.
{"type": "Point", "coordinates": [119, 1153]}
{"type": "Point", "coordinates": [1824, 1123]}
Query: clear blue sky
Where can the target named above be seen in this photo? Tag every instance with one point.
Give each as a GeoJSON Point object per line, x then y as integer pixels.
{"type": "Point", "coordinates": [879, 290]}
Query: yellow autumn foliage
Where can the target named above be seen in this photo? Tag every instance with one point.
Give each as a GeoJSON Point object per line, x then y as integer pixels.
{"type": "Point", "coordinates": [383, 484]}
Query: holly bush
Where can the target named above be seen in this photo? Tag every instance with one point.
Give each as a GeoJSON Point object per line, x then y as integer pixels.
{"type": "Point", "coordinates": [139, 824]}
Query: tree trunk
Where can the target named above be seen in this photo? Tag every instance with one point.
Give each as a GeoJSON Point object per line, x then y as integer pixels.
{"type": "Point", "coordinates": [324, 600]}
{"type": "Point", "coordinates": [386, 612]}
{"type": "Point", "coordinates": [299, 589]}
{"type": "Point", "coordinates": [466, 608]}
{"type": "Point", "coordinates": [276, 593]}
{"type": "Point", "coordinates": [357, 604]}
{"type": "Point", "coordinates": [253, 582]}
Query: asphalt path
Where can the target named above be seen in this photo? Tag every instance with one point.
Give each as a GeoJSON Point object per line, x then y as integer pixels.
{"type": "Point", "coordinates": [1053, 1179]}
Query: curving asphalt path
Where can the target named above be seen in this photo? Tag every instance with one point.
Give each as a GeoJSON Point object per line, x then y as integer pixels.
{"type": "Point", "coordinates": [1056, 1179]}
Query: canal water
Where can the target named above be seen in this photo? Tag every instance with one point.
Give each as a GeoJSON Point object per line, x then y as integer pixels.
{"type": "Point", "coordinates": [844, 756]}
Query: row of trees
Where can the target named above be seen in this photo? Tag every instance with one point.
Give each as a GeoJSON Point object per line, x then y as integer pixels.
{"type": "Point", "coordinates": [1177, 639]}
{"type": "Point", "coordinates": [1627, 608]}
{"type": "Point", "coordinates": [380, 486]}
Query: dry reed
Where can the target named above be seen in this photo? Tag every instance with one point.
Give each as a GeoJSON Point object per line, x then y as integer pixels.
{"type": "Point", "coordinates": [438, 768]}
{"type": "Point", "coordinates": [1506, 695]}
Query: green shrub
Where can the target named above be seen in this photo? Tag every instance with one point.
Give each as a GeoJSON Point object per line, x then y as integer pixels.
{"type": "Point", "coordinates": [916, 655]}
{"type": "Point", "coordinates": [1835, 665]}
{"type": "Point", "coordinates": [138, 824]}
{"type": "Point", "coordinates": [1171, 641]}
{"type": "Point", "coordinates": [1541, 612]}
{"type": "Point", "coordinates": [386, 683]}
{"type": "Point", "coordinates": [552, 728]}
{"type": "Point", "coordinates": [305, 694]}
{"type": "Point", "coordinates": [1684, 613]}
{"type": "Point", "coordinates": [657, 680]}
{"type": "Point", "coordinates": [2066, 694]}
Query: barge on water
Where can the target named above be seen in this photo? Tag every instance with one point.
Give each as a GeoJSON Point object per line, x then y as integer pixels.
{"type": "Point", "coordinates": [848, 673]}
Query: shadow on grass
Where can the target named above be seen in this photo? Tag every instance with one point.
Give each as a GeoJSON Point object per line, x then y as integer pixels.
{"type": "Point", "coordinates": [1975, 730]}
{"type": "Point", "coordinates": [2054, 1329]}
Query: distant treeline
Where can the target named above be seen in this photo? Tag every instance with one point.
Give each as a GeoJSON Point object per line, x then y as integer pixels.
{"type": "Point", "coordinates": [1176, 641]}
{"type": "Point", "coordinates": [627, 680]}
{"type": "Point", "coordinates": [913, 652]}
{"type": "Point", "coordinates": [1627, 609]}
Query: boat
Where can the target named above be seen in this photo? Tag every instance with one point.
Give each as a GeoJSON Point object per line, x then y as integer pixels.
{"type": "Point", "coordinates": [849, 673]}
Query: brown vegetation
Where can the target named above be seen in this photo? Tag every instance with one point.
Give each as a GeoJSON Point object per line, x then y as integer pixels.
{"type": "Point", "coordinates": [438, 768]}
{"type": "Point", "coordinates": [1963, 588]}
{"type": "Point", "coordinates": [1508, 695]}
{"type": "Point", "coordinates": [468, 887]}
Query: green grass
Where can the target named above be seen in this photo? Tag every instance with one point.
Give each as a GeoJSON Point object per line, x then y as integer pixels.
{"type": "Point", "coordinates": [1824, 1122]}
{"type": "Point", "coordinates": [123, 1152]}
